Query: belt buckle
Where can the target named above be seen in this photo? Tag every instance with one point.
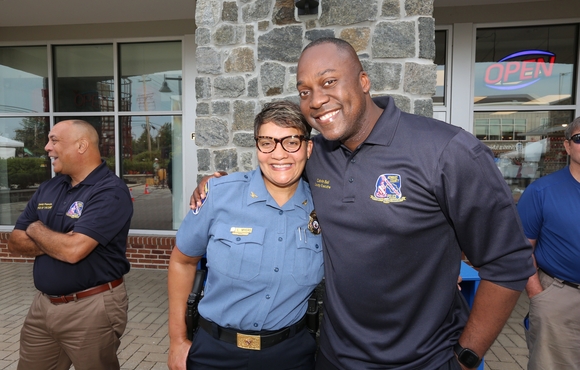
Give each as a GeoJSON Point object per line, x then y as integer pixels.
{"type": "Point", "coordinates": [247, 341]}
{"type": "Point", "coordinates": [58, 299]}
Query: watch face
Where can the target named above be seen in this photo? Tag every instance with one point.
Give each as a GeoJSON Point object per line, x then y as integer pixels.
{"type": "Point", "coordinates": [469, 358]}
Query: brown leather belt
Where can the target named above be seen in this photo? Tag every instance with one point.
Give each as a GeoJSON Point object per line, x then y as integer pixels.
{"type": "Point", "coordinates": [58, 299]}
{"type": "Point", "coordinates": [253, 341]}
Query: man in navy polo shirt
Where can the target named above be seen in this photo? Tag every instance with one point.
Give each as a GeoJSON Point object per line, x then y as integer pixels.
{"type": "Point", "coordinates": [76, 227]}
{"type": "Point", "coordinates": [400, 196]}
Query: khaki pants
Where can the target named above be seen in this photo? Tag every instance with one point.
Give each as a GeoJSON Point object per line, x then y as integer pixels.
{"type": "Point", "coordinates": [84, 333]}
{"type": "Point", "coordinates": [554, 334]}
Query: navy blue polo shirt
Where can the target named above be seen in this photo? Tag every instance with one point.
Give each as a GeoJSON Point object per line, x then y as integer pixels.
{"type": "Point", "coordinates": [100, 207]}
{"type": "Point", "coordinates": [396, 214]}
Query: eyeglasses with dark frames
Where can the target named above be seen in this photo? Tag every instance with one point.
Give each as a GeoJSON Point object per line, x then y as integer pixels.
{"type": "Point", "coordinates": [575, 138]}
{"type": "Point", "coordinates": [291, 144]}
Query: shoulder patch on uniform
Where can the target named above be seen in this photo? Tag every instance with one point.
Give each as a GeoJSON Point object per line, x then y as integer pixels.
{"type": "Point", "coordinates": [206, 189]}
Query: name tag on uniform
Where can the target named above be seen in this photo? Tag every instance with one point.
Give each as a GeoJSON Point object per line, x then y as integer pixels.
{"type": "Point", "coordinates": [241, 231]}
{"type": "Point", "coordinates": [44, 206]}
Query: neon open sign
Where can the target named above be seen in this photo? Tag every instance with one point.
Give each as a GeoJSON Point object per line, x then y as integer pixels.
{"type": "Point", "coordinates": [511, 74]}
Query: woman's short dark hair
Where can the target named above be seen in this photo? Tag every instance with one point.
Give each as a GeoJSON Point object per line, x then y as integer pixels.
{"type": "Point", "coordinates": [282, 113]}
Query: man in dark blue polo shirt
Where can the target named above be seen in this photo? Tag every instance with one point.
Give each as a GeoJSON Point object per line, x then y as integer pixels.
{"type": "Point", "coordinates": [400, 196]}
{"type": "Point", "coordinates": [76, 227]}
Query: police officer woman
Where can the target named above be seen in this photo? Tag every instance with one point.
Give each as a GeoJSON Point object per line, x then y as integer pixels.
{"type": "Point", "coordinates": [261, 237]}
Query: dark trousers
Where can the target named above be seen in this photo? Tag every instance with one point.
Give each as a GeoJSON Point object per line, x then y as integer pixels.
{"type": "Point", "coordinates": [208, 353]}
{"type": "Point", "coordinates": [323, 364]}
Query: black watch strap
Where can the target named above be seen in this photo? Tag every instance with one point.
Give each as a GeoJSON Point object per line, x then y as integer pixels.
{"type": "Point", "coordinates": [466, 356]}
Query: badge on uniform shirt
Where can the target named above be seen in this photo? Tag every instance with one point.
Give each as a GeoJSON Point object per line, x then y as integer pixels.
{"type": "Point", "coordinates": [206, 190]}
{"type": "Point", "coordinates": [313, 224]}
{"type": "Point", "coordinates": [243, 231]}
{"type": "Point", "coordinates": [44, 206]}
{"type": "Point", "coordinates": [75, 210]}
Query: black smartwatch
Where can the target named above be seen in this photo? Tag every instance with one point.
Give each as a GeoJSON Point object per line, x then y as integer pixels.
{"type": "Point", "coordinates": [467, 357]}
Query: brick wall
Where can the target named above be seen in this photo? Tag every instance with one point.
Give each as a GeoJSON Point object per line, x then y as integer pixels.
{"type": "Point", "coordinates": [151, 252]}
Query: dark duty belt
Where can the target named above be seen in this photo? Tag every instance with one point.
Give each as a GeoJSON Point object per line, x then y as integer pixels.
{"type": "Point", "coordinates": [255, 341]}
{"type": "Point", "coordinates": [58, 299]}
{"type": "Point", "coordinates": [573, 285]}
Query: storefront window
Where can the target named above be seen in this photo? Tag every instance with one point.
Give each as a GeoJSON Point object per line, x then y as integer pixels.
{"type": "Point", "coordinates": [134, 103]}
{"type": "Point", "coordinates": [526, 65]}
{"type": "Point", "coordinates": [526, 145]}
{"type": "Point", "coordinates": [149, 159]}
{"type": "Point", "coordinates": [440, 58]}
{"type": "Point", "coordinates": [150, 83]}
{"type": "Point", "coordinates": [84, 78]}
{"type": "Point", "coordinates": [23, 163]}
{"type": "Point", "coordinates": [23, 79]}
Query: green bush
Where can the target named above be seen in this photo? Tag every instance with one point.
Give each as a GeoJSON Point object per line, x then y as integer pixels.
{"type": "Point", "coordinates": [142, 162]}
{"type": "Point", "coordinates": [24, 172]}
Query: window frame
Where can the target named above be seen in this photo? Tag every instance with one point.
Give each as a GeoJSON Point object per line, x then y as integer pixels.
{"type": "Point", "coordinates": [188, 68]}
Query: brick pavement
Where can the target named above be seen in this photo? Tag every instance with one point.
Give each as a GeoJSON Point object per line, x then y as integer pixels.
{"type": "Point", "coordinates": [145, 343]}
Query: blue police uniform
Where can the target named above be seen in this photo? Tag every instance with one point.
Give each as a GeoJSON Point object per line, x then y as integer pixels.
{"type": "Point", "coordinates": [263, 262]}
{"type": "Point", "coordinates": [99, 207]}
{"type": "Point", "coordinates": [396, 214]}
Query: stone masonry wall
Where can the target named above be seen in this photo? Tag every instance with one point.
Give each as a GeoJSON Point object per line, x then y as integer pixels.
{"type": "Point", "coordinates": [247, 52]}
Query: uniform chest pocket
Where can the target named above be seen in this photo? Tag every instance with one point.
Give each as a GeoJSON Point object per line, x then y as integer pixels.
{"type": "Point", "coordinates": [308, 266]}
{"type": "Point", "coordinates": [237, 256]}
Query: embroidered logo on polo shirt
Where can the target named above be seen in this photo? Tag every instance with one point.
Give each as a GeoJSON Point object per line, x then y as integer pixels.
{"type": "Point", "coordinates": [388, 189]}
{"type": "Point", "coordinates": [75, 210]}
{"type": "Point", "coordinates": [321, 183]}
{"type": "Point", "coordinates": [44, 206]}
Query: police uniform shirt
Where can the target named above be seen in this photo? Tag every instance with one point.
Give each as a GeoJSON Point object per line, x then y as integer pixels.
{"type": "Point", "coordinates": [263, 260]}
{"type": "Point", "coordinates": [396, 214]}
{"type": "Point", "coordinates": [100, 207]}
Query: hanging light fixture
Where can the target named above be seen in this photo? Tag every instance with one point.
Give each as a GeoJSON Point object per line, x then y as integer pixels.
{"type": "Point", "coordinates": [307, 6]}
{"type": "Point", "coordinates": [165, 87]}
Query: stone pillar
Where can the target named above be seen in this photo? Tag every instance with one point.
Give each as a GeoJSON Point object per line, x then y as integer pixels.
{"type": "Point", "coordinates": [247, 52]}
